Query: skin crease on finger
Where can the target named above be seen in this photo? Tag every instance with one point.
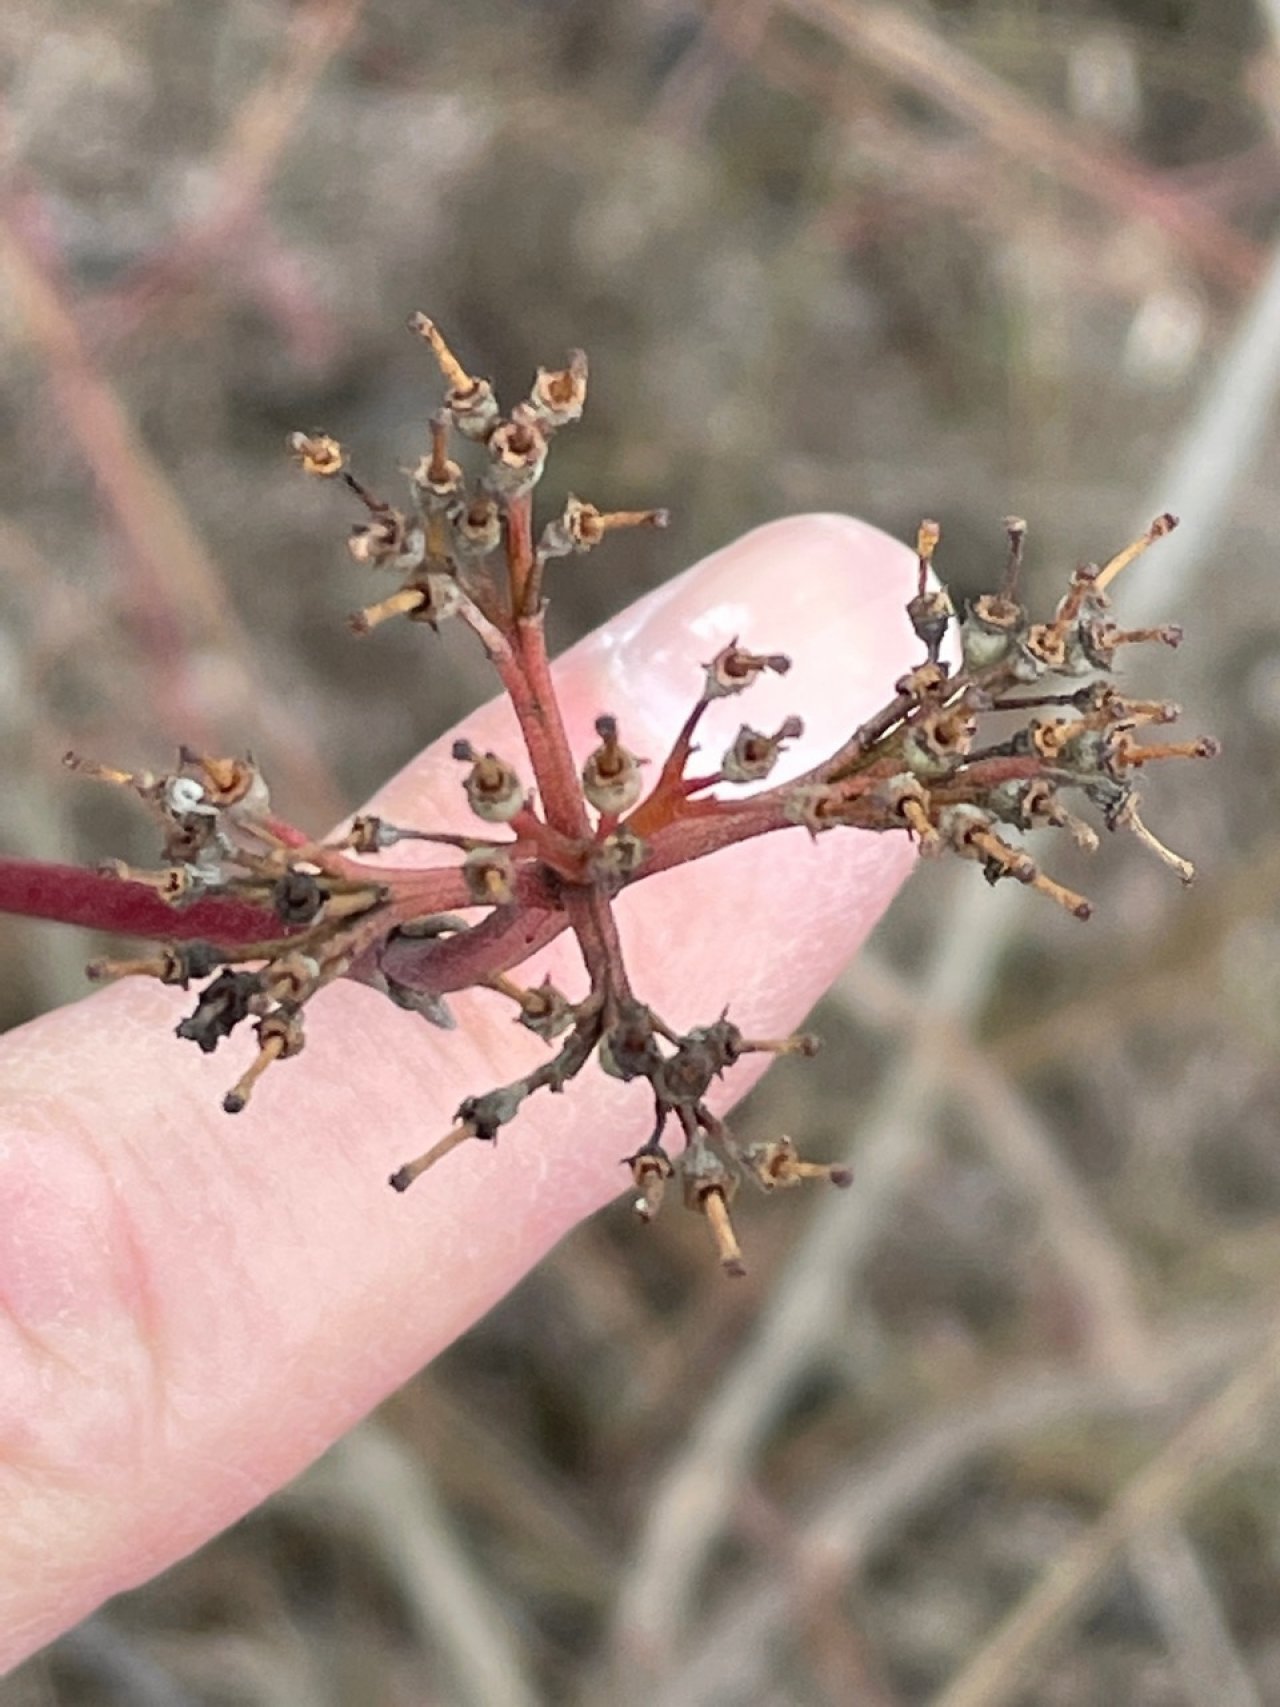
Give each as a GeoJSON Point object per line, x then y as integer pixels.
{"type": "Point", "coordinates": [192, 1307]}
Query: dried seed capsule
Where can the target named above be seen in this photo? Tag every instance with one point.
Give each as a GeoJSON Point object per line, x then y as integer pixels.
{"type": "Point", "coordinates": [733, 669]}
{"type": "Point", "coordinates": [650, 1170]}
{"type": "Point", "coordinates": [906, 798]}
{"type": "Point", "coordinates": [221, 1007]}
{"type": "Point", "coordinates": [470, 401]}
{"type": "Point", "coordinates": [436, 479]}
{"type": "Point", "coordinates": [297, 898]}
{"type": "Point", "coordinates": [559, 394]}
{"type": "Point", "coordinates": [517, 456]}
{"type": "Point", "coordinates": [487, 1114]}
{"type": "Point", "coordinates": [280, 1034]}
{"type": "Point", "coordinates": [930, 616]}
{"type": "Point", "coordinates": [545, 1010]}
{"type": "Point", "coordinates": [177, 963]}
{"type": "Point", "coordinates": [930, 611]}
{"type": "Point", "coordinates": [709, 1188]}
{"type": "Point", "coordinates": [582, 526]}
{"type": "Point", "coordinates": [176, 885]}
{"type": "Point", "coordinates": [776, 1163]}
{"type": "Point", "coordinates": [490, 877]}
{"type": "Point", "coordinates": [388, 541]}
{"type": "Point", "coordinates": [991, 630]}
{"type": "Point", "coordinates": [318, 454]}
{"type": "Point", "coordinates": [611, 778]}
{"type": "Point", "coordinates": [1029, 803]}
{"type": "Point", "coordinates": [494, 790]}
{"type": "Point", "coordinates": [292, 978]}
{"type": "Point", "coordinates": [235, 784]}
{"type": "Point", "coordinates": [934, 746]}
{"type": "Point", "coordinates": [477, 528]}
{"type": "Point", "coordinates": [619, 856]}
{"type": "Point", "coordinates": [753, 755]}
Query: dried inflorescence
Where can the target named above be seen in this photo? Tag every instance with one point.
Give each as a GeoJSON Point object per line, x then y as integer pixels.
{"type": "Point", "coordinates": [559, 841]}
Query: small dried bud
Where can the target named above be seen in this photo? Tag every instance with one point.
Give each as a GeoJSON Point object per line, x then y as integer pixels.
{"type": "Point", "coordinates": [318, 454]}
{"type": "Point", "coordinates": [494, 790]}
{"type": "Point", "coordinates": [927, 536]}
{"type": "Point", "coordinates": [629, 1049]}
{"type": "Point", "coordinates": [1016, 530]}
{"type": "Point", "coordinates": [183, 796]}
{"type": "Point", "coordinates": [611, 778]}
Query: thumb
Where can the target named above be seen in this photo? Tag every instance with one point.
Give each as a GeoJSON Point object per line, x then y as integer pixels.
{"type": "Point", "coordinates": [191, 1308]}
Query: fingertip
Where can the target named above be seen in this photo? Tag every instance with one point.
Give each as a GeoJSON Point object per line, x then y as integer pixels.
{"type": "Point", "coordinates": [828, 590]}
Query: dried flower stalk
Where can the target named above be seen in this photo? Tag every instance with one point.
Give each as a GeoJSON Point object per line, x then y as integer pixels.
{"type": "Point", "coordinates": [559, 837]}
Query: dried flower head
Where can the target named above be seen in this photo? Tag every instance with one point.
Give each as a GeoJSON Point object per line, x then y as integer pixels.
{"type": "Point", "coordinates": [557, 841]}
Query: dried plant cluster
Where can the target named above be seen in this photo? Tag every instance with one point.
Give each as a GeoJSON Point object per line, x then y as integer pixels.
{"type": "Point", "coordinates": [264, 916]}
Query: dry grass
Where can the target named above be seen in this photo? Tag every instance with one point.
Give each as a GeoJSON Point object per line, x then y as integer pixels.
{"type": "Point", "coordinates": [997, 1425]}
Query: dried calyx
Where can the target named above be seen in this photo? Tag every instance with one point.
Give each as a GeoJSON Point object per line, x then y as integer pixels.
{"type": "Point", "coordinates": [560, 836]}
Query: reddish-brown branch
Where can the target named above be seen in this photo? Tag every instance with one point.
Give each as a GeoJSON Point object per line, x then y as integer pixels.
{"type": "Point", "coordinates": [521, 561]}
{"type": "Point", "coordinates": [666, 797]}
{"type": "Point", "coordinates": [537, 705]}
{"type": "Point", "coordinates": [71, 895]}
{"type": "Point", "coordinates": [502, 941]}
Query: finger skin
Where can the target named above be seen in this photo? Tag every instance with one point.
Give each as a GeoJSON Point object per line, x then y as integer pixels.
{"type": "Point", "coordinates": [193, 1307]}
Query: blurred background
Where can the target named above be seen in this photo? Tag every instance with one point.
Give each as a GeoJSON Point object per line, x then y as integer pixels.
{"type": "Point", "coordinates": [999, 1424]}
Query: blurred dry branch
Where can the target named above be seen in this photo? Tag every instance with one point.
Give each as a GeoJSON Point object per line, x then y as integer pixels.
{"type": "Point", "coordinates": [241, 169]}
{"type": "Point", "coordinates": [903, 47]}
{"type": "Point", "coordinates": [385, 1494]}
{"type": "Point", "coordinates": [841, 1525]}
{"type": "Point", "coordinates": [1210, 1443]}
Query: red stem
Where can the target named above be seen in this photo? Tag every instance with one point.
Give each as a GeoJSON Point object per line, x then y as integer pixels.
{"type": "Point", "coordinates": [73, 896]}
